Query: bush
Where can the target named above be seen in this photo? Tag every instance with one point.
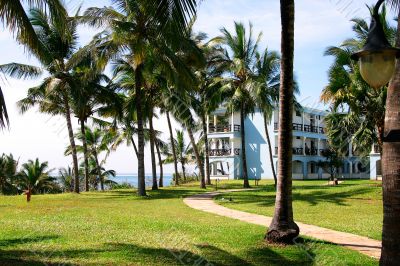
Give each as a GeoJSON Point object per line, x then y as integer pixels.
{"type": "Point", "coordinates": [189, 178]}
{"type": "Point", "coordinates": [123, 185]}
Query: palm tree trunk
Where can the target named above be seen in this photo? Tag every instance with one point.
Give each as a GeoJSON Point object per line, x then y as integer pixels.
{"type": "Point", "coordinates": [153, 156]}
{"type": "Point", "coordinates": [134, 146]}
{"type": "Point", "coordinates": [183, 170]}
{"type": "Point", "coordinates": [391, 173]}
{"type": "Point", "coordinates": [85, 154]}
{"type": "Point", "coordinates": [271, 159]}
{"type": "Point", "coordinates": [244, 160]}
{"type": "Point", "coordinates": [101, 178]}
{"type": "Point", "coordinates": [171, 136]}
{"type": "Point", "coordinates": [198, 159]}
{"type": "Point", "coordinates": [283, 229]}
{"type": "Point", "coordinates": [139, 112]}
{"type": "Point", "coordinates": [160, 163]}
{"type": "Point", "coordinates": [206, 148]}
{"type": "Point", "coordinates": [72, 143]}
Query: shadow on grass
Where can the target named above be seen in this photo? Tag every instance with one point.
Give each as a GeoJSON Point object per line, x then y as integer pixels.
{"type": "Point", "coordinates": [120, 253]}
{"type": "Point", "coordinates": [313, 197]}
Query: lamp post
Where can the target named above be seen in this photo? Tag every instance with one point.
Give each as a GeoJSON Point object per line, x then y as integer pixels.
{"type": "Point", "coordinates": [378, 66]}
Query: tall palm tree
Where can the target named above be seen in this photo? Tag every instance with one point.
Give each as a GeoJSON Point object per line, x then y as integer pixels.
{"type": "Point", "coordinates": [391, 169]}
{"type": "Point", "coordinates": [34, 178]}
{"type": "Point", "coordinates": [53, 94]}
{"type": "Point", "coordinates": [283, 228]}
{"type": "Point", "coordinates": [348, 93]}
{"type": "Point", "coordinates": [241, 59]}
{"type": "Point", "coordinates": [137, 30]}
{"type": "Point", "coordinates": [267, 93]}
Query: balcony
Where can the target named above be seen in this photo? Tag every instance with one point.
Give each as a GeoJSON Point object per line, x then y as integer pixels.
{"type": "Point", "coordinates": [223, 152]}
{"type": "Point", "coordinates": [223, 128]}
{"type": "Point", "coordinates": [298, 151]}
{"type": "Point", "coordinates": [306, 128]}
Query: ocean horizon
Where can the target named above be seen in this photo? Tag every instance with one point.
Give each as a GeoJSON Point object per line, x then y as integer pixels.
{"type": "Point", "coordinates": [132, 179]}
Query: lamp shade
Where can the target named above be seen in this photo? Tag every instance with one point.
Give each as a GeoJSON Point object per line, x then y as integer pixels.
{"type": "Point", "coordinates": [377, 68]}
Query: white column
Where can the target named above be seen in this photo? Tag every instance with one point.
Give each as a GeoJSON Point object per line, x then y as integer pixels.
{"type": "Point", "coordinates": [350, 148]}
{"type": "Point", "coordinates": [232, 147]}
{"type": "Point", "coordinates": [208, 124]}
{"type": "Point", "coordinates": [318, 145]}
{"type": "Point", "coordinates": [232, 122]}
{"type": "Point", "coordinates": [215, 121]}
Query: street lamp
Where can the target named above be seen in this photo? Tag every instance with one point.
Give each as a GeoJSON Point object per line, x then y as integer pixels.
{"type": "Point", "coordinates": [377, 62]}
{"type": "Point", "coordinates": [377, 59]}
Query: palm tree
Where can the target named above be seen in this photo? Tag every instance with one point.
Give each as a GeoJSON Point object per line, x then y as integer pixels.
{"type": "Point", "coordinates": [14, 16]}
{"type": "Point", "coordinates": [34, 178]}
{"type": "Point", "coordinates": [283, 228]}
{"type": "Point", "coordinates": [183, 151]}
{"type": "Point", "coordinates": [137, 30]}
{"type": "Point", "coordinates": [53, 94]}
{"type": "Point", "coordinates": [66, 179]}
{"type": "Point", "coordinates": [241, 59]}
{"type": "Point", "coordinates": [351, 98]}
{"type": "Point", "coordinates": [8, 170]}
{"type": "Point", "coordinates": [267, 94]}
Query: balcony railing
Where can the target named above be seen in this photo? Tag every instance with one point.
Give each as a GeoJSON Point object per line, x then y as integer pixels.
{"type": "Point", "coordinates": [306, 128]}
{"type": "Point", "coordinates": [311, 151]}
{"type": "Point", "coordinates": [223, 128]}
{"type": "Point", "coordinates": [298, 151]}
{"type": "Point", "coordinates": [223, 152]}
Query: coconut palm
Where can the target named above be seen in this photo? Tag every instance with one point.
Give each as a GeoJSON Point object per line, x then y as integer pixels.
{"type": "Point", "coordinates": [66, 179]}
{"type": "Point", "coordinates": [136, 31]}
{"type": "Point", "coordinates": [267, 93]}
{"type": "Point", "coordinates": [53, 95]}
{"type": "Point", "coordinates": [351, 98]}
{"type": "Point", "coordinates": [14, 16]}
{"type": "Point", "coordinates": [34, 178]}
{"type": "Point", "coordinates": [283, 228]}
{"type": "Point", "coordinates": [8, 170]}
{"type": "Point", "coordinates": [241, 55]}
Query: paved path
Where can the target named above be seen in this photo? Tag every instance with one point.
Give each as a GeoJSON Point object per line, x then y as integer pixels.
{"type": "Point", "coordinates": [367, 246]}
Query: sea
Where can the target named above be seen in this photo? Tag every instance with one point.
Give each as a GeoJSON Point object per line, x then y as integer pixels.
{"type": "Point", "coordinates": [132, 179]}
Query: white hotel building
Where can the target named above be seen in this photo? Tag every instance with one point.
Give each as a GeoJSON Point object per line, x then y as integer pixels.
{"type": "Point", "coordinates": [309, 141]}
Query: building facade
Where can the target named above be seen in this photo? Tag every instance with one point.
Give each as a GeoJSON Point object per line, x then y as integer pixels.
{"type": "Point", "coordinates": [309, 143]}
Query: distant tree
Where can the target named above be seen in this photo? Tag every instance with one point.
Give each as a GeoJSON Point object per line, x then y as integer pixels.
{"type": "Point", "coordinates": [332, 163]}
{"type": "Point", "coordinates": [34, 178]}
{"type": "Point", "coordinates": [66, 179]}
{"type": "Point", "coordinates": [8, 171]}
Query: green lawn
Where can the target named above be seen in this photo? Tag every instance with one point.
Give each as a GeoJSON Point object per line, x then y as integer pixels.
{"type": "Point", "coordinates": [118, 228]}
{"type": "Point", "coordinates": [354, 206]}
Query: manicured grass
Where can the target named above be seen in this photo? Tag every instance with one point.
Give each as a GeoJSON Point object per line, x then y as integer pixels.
{"type": "Point", "coordinates": [354, 206]}
{"type": "Point", "coordinates": [118, 228]}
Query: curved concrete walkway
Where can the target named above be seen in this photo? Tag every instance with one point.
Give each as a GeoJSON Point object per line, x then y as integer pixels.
{"type": "Point", "coordinates": [365, 245]}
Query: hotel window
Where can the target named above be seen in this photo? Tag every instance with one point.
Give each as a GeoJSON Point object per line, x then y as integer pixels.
{"type": "Point", "coordinates": [298, 138]}
{"type": "Point", "coordinates": [298, 114]}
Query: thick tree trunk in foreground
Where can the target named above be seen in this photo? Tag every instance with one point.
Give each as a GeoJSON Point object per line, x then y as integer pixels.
{"type": "Point", "coordinates": [153, 155]}
{"type": "Point", "coordinates": [244, 160]}
{"type": "Point", "coordinates": [171, 136]}
{"type": "Point", "coordinates": [85, 155]}
{"type": "Point", "coordinates": [206, 150]}
{"type": "Point", "coordinates": [391, 174]}
{"type": "Point", "coordinates": [198, 158]}
{"type": "Point", "coordinates": [270, 150]}
{"type": "Point", "coordinates": [160, 164]}
{"type": "Point", "coordinates": [72, 143]}
{"type": "Point", "coordinates": [283, 229]}
{"type": "Point", "coordinates": [138, 101]}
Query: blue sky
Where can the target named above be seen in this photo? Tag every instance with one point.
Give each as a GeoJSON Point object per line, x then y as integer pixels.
{"type": "Point", "coordinates": [319, 23]}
